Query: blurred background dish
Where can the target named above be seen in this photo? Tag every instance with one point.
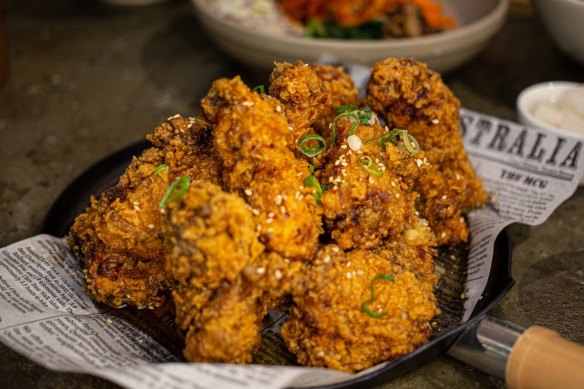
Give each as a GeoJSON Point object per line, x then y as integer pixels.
{"type": "Point", "coordinates": [556, 106]}
{"type": "Point", "coordinates": [257, 43]}
{"type": "Point", "coordinates": [564, 21]}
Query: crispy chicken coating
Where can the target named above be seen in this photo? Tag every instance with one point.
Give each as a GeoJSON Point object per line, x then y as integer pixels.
{"type": "Point", "coordinates": [411, 96]}
{"type": "Point", "coordinates": [329, 326]}
{"type": "Point", "coordinates": [250, 138]}
{"type": "Point", "coordinates": [302, 94]}
{"type": "Point", "coordinates": [118, 236]}
{"type": "Point", "coordinates": [209, 239]}
{"type": "Point", "coordinates": [342, 91]}
{"type": "Point", "coordinates": [367, 200]}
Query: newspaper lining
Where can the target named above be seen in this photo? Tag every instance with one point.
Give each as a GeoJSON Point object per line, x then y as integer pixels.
{"type": "Point", "coordinates": [45, 315]}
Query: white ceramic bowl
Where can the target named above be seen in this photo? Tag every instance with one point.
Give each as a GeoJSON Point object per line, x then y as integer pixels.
{"type": "Point", "coordinates": [545, 93]}
{"type": "Point", "coordinates": [478, 21]}
{"type": "Point", "coordinates": [564, 20]}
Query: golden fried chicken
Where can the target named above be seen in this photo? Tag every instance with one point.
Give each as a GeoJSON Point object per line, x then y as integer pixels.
{"type": "Point", "coordinates": [356, 309]}
{"type": "Point", "coordinates": [302, 94]}
{"type": "Point", "coordinates": [209, 239]}
{"type": "Point", "coordinates": [411, 96]}
{"type": "Point", "coordinates": [250, 138]}
{"type": "Point", "coordinates": [341, 90]}
{"type": "Point", "coordinates": [118, 237]}
{"type": "Point", "coordinates": [368, 199]}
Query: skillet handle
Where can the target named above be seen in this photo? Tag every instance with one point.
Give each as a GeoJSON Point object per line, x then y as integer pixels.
{"type": "Point", "coordinates": [541, 358]}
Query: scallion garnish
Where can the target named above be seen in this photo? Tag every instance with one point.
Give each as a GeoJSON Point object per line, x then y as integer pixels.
{"type": "Point", "coordinates": [184, 182]}
{"type": "Point", "coordinates": [385, 277]}
{"type": "Point", "coordinates": [311, 168]}
{"type": "Point", "coordinates": [360, 115]}
{"type": "Point", "coordinates": [367, 164]}
{"type": "Point", "coordinates": [312, 151]}
{"type": "Point", "coordinates": [312, 182]}
{"type": "Point", "coordinates": [410, 142]}
{"type": "Point", "coordinates": [159, 168]}
{"type": "Point", "coordinates": [260, 89]}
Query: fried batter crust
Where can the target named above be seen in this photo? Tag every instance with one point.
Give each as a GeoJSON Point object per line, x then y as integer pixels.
{"type": "Point", "coordinates": [342, 91]}
{"type": "Point", "coordinates": [209, 239]}
{"type": "Point", "coordinates": [301, 92]}
{"type": "Point", "coordinates": [250, 136]}
{"type": "Point", "coordinates": [118, 236]}
{"type": "Point", "coordinates": [327, 326]}
{"type": "Point", "coordinates": [361, 208]}
{"type": "Point", "coordinates": [409, 95]}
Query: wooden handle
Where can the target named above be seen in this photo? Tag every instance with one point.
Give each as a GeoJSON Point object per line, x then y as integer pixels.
{"type": "Point", "coordinates": [541, 358]}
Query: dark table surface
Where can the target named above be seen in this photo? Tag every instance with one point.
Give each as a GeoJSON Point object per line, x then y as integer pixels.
{"type": "Point", "coordinates": [86, 79]}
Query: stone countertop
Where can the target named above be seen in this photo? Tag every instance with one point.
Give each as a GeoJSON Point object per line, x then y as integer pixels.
{"type": "Point", "coordinates": [86, 79]}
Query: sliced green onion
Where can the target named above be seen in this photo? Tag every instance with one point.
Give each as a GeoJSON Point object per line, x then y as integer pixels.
{"type": "Point", "coordinates": [184, 182]}
{"type": "Point", "coordinates": [411, 143]}
{"type": "Point", "coordinates": [385, 277]}
{"type": "Point", "coordinates": [260, 89]}
{"type": "Point", "coordinates": [312, 151]}
{"type": "Point", "coordinates": [159, 168]}
{"type": "Point", "coordinates": [312, 182]}
{"type": "Point", "coordinates": [372, 168]}
{"type": "Point", "coordinates": [311, 168]}
{"type": "Point", "coordinates": [361, 115]}
{"type": "Point", "coordinates": [344, 108]}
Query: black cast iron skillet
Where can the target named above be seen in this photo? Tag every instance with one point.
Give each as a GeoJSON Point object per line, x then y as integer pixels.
{"type": "Point", "coordinates": [105, 173]}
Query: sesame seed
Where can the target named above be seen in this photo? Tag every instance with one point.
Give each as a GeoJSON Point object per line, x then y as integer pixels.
{"type": "Point", "coordinates": [269, 221]}
{"type": "Point", "coordinates": [335, 249]}
{"type": "Point", "coordinates": [349, 264]}
{"type": "Point", "coordinates": [435, 121]}
{"type": "Point", "coordinates": [261, 270]}
{"type": "Point", "coordinates": [327, 259]}
{"type": "Point", "coordinates": [444, 197]}
{"type": "Point", "coordinates": [248, 192]}
{"type": "Point", "coordinates": [355, 143]}
{"type": "Point", "coordinates": [348, 275]}
{"type": "Point", "coordinates": [259, 228]}
{"type": "Point", "coordinates": [151, 226]}
{"type": "Point", "coordinates": [278, 274]}
{"type": "Point", "coordinates": [271, 215]}
{"type": "Point", "coordinates": [290, 128]}
{"type": "Point", "coordinates": [335, 187]}
{"type": "Point", "coordinates": [393, 183]}
{"type": "Point", "coordinates": [359, 272]}
{"type": "Point", "coordinates": [283, 209]}
{"type": "Point", "coordinates": [255, 211]}
{"type": "Point", "coordinates": [343, 146]}
{"type": "Point", "coordinates": [371, 180]}
{"type": "Point", "coordinates": [247, 103]}
{"type": "Point", "coordinates": [397, 195]}
{"type": "Point", "coordinates": [419, 162]}
{"type": "Point", "coordinates": [278, 108]}
{"type": "Point", "coordinates": [278, 199]}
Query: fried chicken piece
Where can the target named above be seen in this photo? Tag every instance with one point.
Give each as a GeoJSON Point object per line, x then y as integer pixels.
{"type": "Point", "coordinates": [411, 96]}
{"type": "Point", "coordinates": [118, 236]}
{"type": "Point", "coordinates": [369, 198]}
{"type": "Point", "coordinates": [302, 94]}
{"type": "Point", "coordinates": [341, 90]}
{"type": "Point", "coordinates": [209, 239]}
{"type": "Point", "coordinates": [329, 326]}
{"type": "Point", "coordinates": [250, 136]}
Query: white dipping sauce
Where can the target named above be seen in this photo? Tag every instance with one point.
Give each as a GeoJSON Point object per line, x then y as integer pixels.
{"type": "Point", "coordinates": [565, 110]}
